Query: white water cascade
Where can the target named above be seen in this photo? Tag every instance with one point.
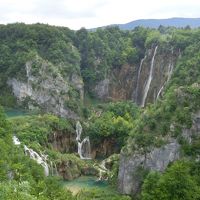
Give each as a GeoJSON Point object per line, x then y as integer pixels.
{"type": "Point", "coordinates": [147, 86]}
{"type": "Point", "coordinates": [40, 159]}
{"type": "Point", "coordinates": [16, 141]}
{"type": "Point", "coordinates": [138, 77]}
{"type": "Point", "coordinates": [169, 74]}
{"type": "Point", "coordinates": [102, 170]}
{"type": "Point", "coordinates": [84, 148]}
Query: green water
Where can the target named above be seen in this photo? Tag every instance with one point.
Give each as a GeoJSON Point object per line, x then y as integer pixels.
{"type": "Point", "coordinates": [15, 113]}
{"type": "Point", "coordinates": [85, 182]}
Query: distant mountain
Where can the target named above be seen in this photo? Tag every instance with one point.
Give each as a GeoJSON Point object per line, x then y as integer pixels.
{"type": "Point", "coordinates": [155, 23]}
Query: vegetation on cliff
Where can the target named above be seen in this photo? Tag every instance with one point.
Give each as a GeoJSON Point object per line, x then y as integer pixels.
{"type": "Point", "coordinates": [92, 56]}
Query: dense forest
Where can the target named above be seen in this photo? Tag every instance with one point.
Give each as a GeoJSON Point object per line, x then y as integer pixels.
{"type": "Point", "coordinates": [135, 93]}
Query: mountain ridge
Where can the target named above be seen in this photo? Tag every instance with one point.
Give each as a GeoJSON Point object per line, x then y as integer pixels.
{"type": "Point", "coordinates": [178, 22]}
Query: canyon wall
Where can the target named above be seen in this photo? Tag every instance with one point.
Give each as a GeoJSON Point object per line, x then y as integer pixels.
{"type": "Point", "coordinates": [143, 82]}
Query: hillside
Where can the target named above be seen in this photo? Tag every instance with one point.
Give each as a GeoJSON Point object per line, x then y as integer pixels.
{"type": "Point", "coordinates": [155, 23]}
{"type": "Point", "coordinates": [120, 106]}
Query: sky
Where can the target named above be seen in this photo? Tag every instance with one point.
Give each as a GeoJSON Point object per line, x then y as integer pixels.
{"type": "Point", "coordinates": [93, 13]}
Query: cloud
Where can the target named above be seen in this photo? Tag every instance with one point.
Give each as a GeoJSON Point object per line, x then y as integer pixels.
{"type": "Point", "coordinates": [93, 13]}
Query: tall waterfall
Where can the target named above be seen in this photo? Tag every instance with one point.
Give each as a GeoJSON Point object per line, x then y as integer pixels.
{"type": "Point", "coordinates": [169, 74]}
{"type": "Point", "coordinates": [138, 78]}
{"type": "Point", "coordinates": [40, 159]}
{"type": "Point", "coordinates": [84, 148]}
{"type": "Point", "coordinates": [147, 86]}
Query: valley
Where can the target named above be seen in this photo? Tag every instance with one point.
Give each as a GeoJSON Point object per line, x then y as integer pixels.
{"type": "Point", "coordinates": [105, 114]}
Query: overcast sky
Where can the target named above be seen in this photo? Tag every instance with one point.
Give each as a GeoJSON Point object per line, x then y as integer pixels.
{"type": "Point", "coordinates": [93, 13]}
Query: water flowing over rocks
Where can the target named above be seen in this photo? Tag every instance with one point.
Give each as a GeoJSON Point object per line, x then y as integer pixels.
{"type": "Point", "coordinates": [40, 159]}
{"type": "Point", "coordinates": [84, 148]}
{"type": "Point", "coordinates": [143, 82]}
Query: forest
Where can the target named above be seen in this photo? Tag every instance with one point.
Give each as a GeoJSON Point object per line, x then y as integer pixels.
{"type": "Point", "coordinates": [81, 93]}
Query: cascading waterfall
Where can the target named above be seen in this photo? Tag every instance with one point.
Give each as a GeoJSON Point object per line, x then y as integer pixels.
{"type": "Point", "coordinates": [53, 169]}
{"type": "Point", "coordinates": [147, 86]}
{"type": "Point", "coordinates": [41, 160]}
{"type": "Point", "coordinates": [169, 74]}
{"type": "Point", "coordinates": [84, 148]}
{"type": "Point", "coordinates": [16, 140]}
{"type": "Point", "coordinates": [102, 170]}
{"type": "Point", "coordinates": [138, 77]}
{"type": "Point", "coordinates": [78, 131]}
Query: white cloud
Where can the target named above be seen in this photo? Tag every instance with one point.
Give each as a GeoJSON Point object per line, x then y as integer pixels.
{"type": "Point", "coordinates": [93, 13]}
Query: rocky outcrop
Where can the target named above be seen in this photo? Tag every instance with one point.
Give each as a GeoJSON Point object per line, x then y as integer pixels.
{"type": "Point", "coordinates": [157, 160]}
{"type": "Point", "coordinates": [46, 88]}
{"type": "Point", "coordinates": [101, 89]}
{"type": "Point", "coordinates": [69, 170]}
{"type": "Point", "coordinates": [162, 62]}
{"type": "Point", "coordinates": [106, 148]}
{"type": "Point", "coordinates": [71, 167]}
{"type": "Point", "coordinates": [129, 179]}
{"type": "Point", "coordinates": [64, 142]}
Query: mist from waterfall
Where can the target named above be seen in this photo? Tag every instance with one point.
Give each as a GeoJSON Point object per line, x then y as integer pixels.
{"type": "Point", "coordinates": [84, 148]}
{"type": "Point", "coordinates": [147, 86]}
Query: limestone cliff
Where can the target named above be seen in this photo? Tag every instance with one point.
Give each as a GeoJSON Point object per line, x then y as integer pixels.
{"type": "Point", "coordinates": [144, 82]}
{"type": "Point", "coordinates": [46, 88]}
{"type": "Point", "coordinates": [129, 180]}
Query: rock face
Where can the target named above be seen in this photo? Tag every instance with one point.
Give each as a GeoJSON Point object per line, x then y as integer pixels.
{"type": "Point", "coordinates": [129, 81]}
{"type": "Point", "coordinates": [63, 142]}
{"type": "Point", "coordinates": [106, 148]}
{"type": "Point", "coordinates": [129, 180]}
{"type": "Point", "coordinates": [44, 87]}
{"type": "Point", "coordinates": [69, 170]}
{"type": "Point", "coordinates": [157, 160]}
{"type": "Point", "coordinates": [162, 63]}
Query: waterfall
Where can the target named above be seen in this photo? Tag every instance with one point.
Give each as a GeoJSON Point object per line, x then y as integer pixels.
{"type": "Point", "coordinates": [78, 131]}
{"type": "Point", "coordinates": [16, 140]}
{"type": "Point", "coordinates": [56, 170]}
{"type": "Point", "coordinates": [138, 77]}
{"type": "Point", "coordinates": [53, 169]}
{"type": "Point", "coordinates": [103, 171]}
{"type": "Point", "coordinates": [147, 86]}
{"type": "Point", "coordinates": [159, 92]}
{"type": "Point", "coordinates": [84, 148]}
{"type": "Point", "coordinates": [169, 74]}
{"type": "Point", "coordinates": [41, 160]}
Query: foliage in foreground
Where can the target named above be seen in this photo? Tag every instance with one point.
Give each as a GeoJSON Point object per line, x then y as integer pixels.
{"type": "Point", "coordinates": [98, 194]}
{"type": "Point", "coordinates": [178, 182]}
